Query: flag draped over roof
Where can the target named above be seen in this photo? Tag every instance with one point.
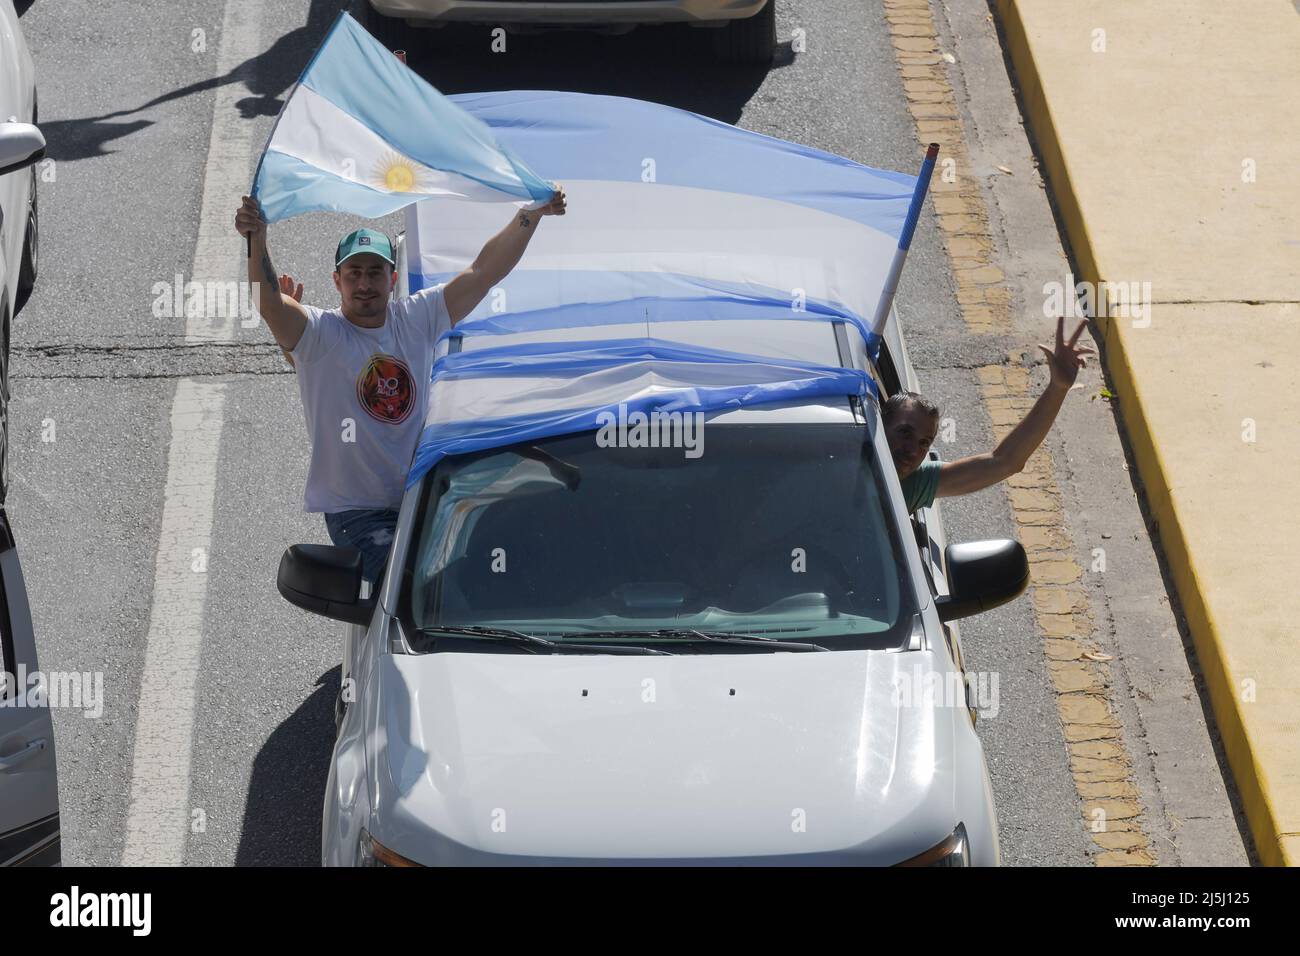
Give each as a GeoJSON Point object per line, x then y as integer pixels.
{"type": "Point", "coordinates": [677, 223]}
{"type": "Point", "coordinates": [491, 398]}
{"type": "Point", "coordinates": [362, 133]}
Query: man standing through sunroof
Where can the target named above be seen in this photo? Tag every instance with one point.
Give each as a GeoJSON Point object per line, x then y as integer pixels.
{"type": "Point", "coordinates": [364, 367]}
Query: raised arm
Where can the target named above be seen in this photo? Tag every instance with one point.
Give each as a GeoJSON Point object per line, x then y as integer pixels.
{"type": "Point", "coordinates": [1009, 457]}
{"type": "Point", "coordinates": [501, 254]}
{"type": "Point", "coordinates": [284, 317]}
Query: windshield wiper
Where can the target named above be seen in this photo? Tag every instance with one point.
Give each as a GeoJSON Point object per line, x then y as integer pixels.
{"type": "Point", "coordinates": [535, 645]}
{"type": "Point", "coordinates": [689, 635]}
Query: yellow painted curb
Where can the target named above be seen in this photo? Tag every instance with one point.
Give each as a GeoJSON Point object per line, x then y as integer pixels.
{"type": "Point", "coordinates": [1260, 800]}
{"type": "Point", "coordinates": [1099, 761]}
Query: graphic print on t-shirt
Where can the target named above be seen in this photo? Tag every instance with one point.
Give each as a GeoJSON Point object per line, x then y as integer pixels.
{"type": "Point", "coordinates": [386, 389]}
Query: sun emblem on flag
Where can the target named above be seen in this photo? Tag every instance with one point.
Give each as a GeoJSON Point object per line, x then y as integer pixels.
{"type": "Point", "coordinates": [396, 173]}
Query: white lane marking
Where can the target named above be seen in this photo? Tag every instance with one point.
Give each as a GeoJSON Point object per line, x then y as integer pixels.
{"type": "Point", "coordinates": [219, 252]}
{"type": "Point", "coordinates": [160, 778]}
{"type": "Point", "coordinates": [159, 816]}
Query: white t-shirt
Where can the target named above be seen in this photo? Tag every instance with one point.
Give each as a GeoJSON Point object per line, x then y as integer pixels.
{"type": "Point", "coordinates": [364, 393]}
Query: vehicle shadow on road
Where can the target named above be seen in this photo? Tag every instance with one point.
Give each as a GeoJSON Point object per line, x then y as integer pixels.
{"type": "Point", "coordinates": [670, 64]}
{"type": "Point", "coordinates": [286, 793]}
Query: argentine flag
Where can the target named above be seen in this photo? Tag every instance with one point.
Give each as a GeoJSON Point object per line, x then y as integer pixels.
{"type": "Point", "coordinates": [696, 261]}
{"type": "Point", "coordinates": [363, 134]}
{"type": "Point", "coordinates": [672, 217]}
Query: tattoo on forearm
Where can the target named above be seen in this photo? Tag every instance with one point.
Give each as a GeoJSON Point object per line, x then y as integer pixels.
{"type": "Point", "coordinates": [268, 270]}
{"type": "Point", "coordinates": [524, 220]}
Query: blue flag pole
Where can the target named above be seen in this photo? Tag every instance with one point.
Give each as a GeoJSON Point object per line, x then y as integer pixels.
{"type": "Point", "coordinates": [904, 240]}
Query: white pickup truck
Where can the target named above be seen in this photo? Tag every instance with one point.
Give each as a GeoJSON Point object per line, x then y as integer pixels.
{"type": "Point", "coordinates": [796, 718]}
{"type": "Point", "coordinates": [598, 651]}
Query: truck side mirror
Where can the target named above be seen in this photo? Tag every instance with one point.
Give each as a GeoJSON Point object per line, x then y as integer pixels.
{"type": "Point", "coordinates": [325, 580]}
{"type": "Point", "coordinates": [982, 575]}
{"type": "Point", "coordinates": [21, 144]}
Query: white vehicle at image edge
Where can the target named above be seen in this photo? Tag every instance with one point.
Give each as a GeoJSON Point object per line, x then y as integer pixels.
{"type": "Point", "coordinates": [29, 797]}
{"type": "Point", "coordinates": [490, 748]}
{"type": "Point", "coordinates": [744, 31]}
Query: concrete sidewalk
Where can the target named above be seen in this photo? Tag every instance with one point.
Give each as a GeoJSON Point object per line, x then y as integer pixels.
{"type": "Point", "coordinates": [1169, 138]}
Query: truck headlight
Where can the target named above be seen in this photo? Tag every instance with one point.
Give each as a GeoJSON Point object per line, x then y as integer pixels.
{"type": "Point", "coordinates": [954, 851]}
{"type": "Point", "coordinates": [370, 852]}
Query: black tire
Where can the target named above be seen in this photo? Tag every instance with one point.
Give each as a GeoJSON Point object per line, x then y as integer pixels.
{"type": "Point", "coordinates": [751, 40]}
{"type": "Point", "coordinates": [31, 254]}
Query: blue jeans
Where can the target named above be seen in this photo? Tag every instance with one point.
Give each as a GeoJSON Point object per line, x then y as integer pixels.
{"type": "Point", "coordinates": [370, 531]}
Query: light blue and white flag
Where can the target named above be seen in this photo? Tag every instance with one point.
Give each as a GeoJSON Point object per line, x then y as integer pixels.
{"type": "Point", "coordinates": [682, 232]}
{"type": "Point", "coordinates": [363, 134]}
{"type": "Point", "coordinates": [670, 214]}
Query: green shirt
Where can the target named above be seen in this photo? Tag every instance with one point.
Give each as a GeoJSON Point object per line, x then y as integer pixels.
{"type": "Point", "coordinates": [920, 486]}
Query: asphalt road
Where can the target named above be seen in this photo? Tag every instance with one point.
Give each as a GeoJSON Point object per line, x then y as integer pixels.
{"type": "Point", "coordinates": [127, 105]}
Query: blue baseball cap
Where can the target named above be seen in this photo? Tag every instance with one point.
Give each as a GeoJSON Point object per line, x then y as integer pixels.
{"type": "Point", "coordinates": [362, 241]}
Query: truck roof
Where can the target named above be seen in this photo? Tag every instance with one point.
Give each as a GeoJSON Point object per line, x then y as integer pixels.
{"type": "Point", "coordinates": [802, 339]}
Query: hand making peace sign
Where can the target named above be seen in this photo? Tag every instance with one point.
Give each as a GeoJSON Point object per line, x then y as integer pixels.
{"type": "Point", "coordinates": [1067, 358]}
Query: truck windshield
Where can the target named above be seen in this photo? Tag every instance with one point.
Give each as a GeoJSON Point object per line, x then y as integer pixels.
{"type": "Point", "coordinates": [775, 531]}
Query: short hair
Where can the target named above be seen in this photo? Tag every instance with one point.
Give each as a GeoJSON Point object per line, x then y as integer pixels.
{"type": "Point", "coordinates": [894, 404]}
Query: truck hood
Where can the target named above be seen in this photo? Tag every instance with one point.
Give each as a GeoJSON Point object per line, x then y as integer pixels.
{"type": "Point", "coordinates": [787, 757]}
